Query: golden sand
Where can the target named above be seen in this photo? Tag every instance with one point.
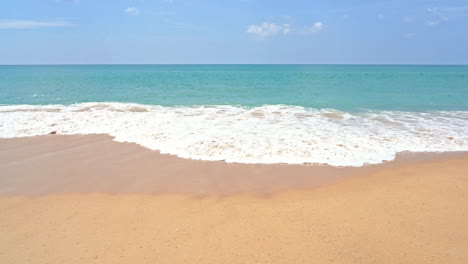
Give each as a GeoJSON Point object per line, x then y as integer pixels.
{"type": "Point", "coordinates": [86, 199]}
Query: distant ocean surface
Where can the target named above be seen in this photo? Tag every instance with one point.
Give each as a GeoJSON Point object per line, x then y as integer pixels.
{"type": "Point", "coordinates": [342, 115]}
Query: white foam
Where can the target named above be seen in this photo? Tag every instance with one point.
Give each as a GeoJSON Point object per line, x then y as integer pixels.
{"type": "Point", "coordinates": [267, 134]}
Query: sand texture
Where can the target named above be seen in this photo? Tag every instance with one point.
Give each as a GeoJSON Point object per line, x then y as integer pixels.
{"type": "Point", "coordinates": [86, 199]}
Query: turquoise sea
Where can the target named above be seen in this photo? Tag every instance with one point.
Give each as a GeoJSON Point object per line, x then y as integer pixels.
{"type": "Point", "coordinates": [343, 115]}
{"type": "Point", "coordinates": [342, 87]}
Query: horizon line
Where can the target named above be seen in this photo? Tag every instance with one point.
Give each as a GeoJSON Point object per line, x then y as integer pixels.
{"type": "Point", "coordinates": [136, 64]}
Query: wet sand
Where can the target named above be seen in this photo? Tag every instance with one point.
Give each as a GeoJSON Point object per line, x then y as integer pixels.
{"type": "Point", "coordinates": [87, 199]}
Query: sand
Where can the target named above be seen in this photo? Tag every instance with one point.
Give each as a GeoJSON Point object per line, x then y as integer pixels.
{"type": "Point", "coordinates": [87, 199]}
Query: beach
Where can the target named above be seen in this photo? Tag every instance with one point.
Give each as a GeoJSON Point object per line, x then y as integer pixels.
{"type": "Point", "coordinates": [229, 132]}
{"type": "Point", "coordinates": [88, 199]}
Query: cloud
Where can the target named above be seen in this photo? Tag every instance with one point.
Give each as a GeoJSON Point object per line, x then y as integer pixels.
{"type": "Point", "coordinates": [317, 27]}
{"type": "Point", "coordinates": [30, 24]}
{"type": "Point", "coordinates": [436, 17]}
{"type": "Point", "coordinates": [132, 11]}
{"type": "Point", "coordinates": [381, 16]}
{"type": "Point", "coordinates": [267, 29]}
{"type": "Point", "coordinates": [435, 12]}
{"type": "Point", "coordinates": [439, 15]}
{"type": "Point", "coordinates": [410, 35]}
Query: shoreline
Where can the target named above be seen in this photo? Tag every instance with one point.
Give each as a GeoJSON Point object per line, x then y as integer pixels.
{"type": "Point", "coordinates": [88, 199]}
{"type": "Point", "coordinates": [96, 163]}
{"type": "Point", "coordinates": [268, 134]}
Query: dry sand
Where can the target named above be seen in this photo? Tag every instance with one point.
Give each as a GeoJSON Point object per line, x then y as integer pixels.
{"type": "Point", "coordinates": [86, 199]}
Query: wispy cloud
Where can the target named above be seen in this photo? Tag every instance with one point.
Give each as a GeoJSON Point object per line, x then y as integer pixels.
{"type": "Point", "coordinates": [381, 16]}
{"type": "Point", "coordinates": [132, 11]}
{"type": "Point", "coordinates": [30, 24]}
{"type": "Point", "coordinates": [436, 13]}
{"type": "Point", "coordinates": [435, 17]}
{"type": "Point", "coordinates": [439, 15]}
{"type": "Point", "coordinates": [268, 29]}
{"type": "Point", "coordinates": [317, 27]}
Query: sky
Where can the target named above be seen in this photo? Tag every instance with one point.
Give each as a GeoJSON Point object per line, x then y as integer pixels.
{"type": "Point", "coordinates": [233, 31]}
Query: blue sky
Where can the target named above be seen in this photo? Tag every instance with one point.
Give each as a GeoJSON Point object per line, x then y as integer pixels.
{"type": "Point", "coordinates": [233, 31]}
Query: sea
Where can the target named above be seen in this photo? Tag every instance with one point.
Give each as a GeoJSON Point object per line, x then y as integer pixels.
{"type": "Point", "coordinates": [340, 115]}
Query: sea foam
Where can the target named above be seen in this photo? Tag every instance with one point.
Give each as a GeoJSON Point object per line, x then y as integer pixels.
{"type": "Point", "coordinates": [266, 134]}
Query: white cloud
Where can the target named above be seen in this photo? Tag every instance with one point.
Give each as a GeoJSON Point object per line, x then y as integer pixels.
{"type": "Point", "coordinates": [410, 35]}
{"type": "Point", "coordinates": [435, 11]}
{"type": "Point", "coordinates": [381, 16]}
{"type": "Point", "coordinates": [132, 11]}
{"type": "Point", "coordinates": [441, 15]}
{"type": "Point", "coordinates": [28, 24]}
{"type": "Point", "coordinates": [317, 27]}
{"type": "Point", "coordinates": [267, 29]}
{"type": "Point", "coordinates": [437, 17]}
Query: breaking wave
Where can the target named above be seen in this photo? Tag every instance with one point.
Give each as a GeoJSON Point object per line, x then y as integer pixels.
{"type": "Point", "coordinates": [266, 134]}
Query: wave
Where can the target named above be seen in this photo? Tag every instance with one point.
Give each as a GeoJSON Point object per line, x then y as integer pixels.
{"type": "Point", "coordinates": [266, 134]}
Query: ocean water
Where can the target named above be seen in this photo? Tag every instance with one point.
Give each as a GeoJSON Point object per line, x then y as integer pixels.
{"type": "Point", "coordinates": [342, 115]}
